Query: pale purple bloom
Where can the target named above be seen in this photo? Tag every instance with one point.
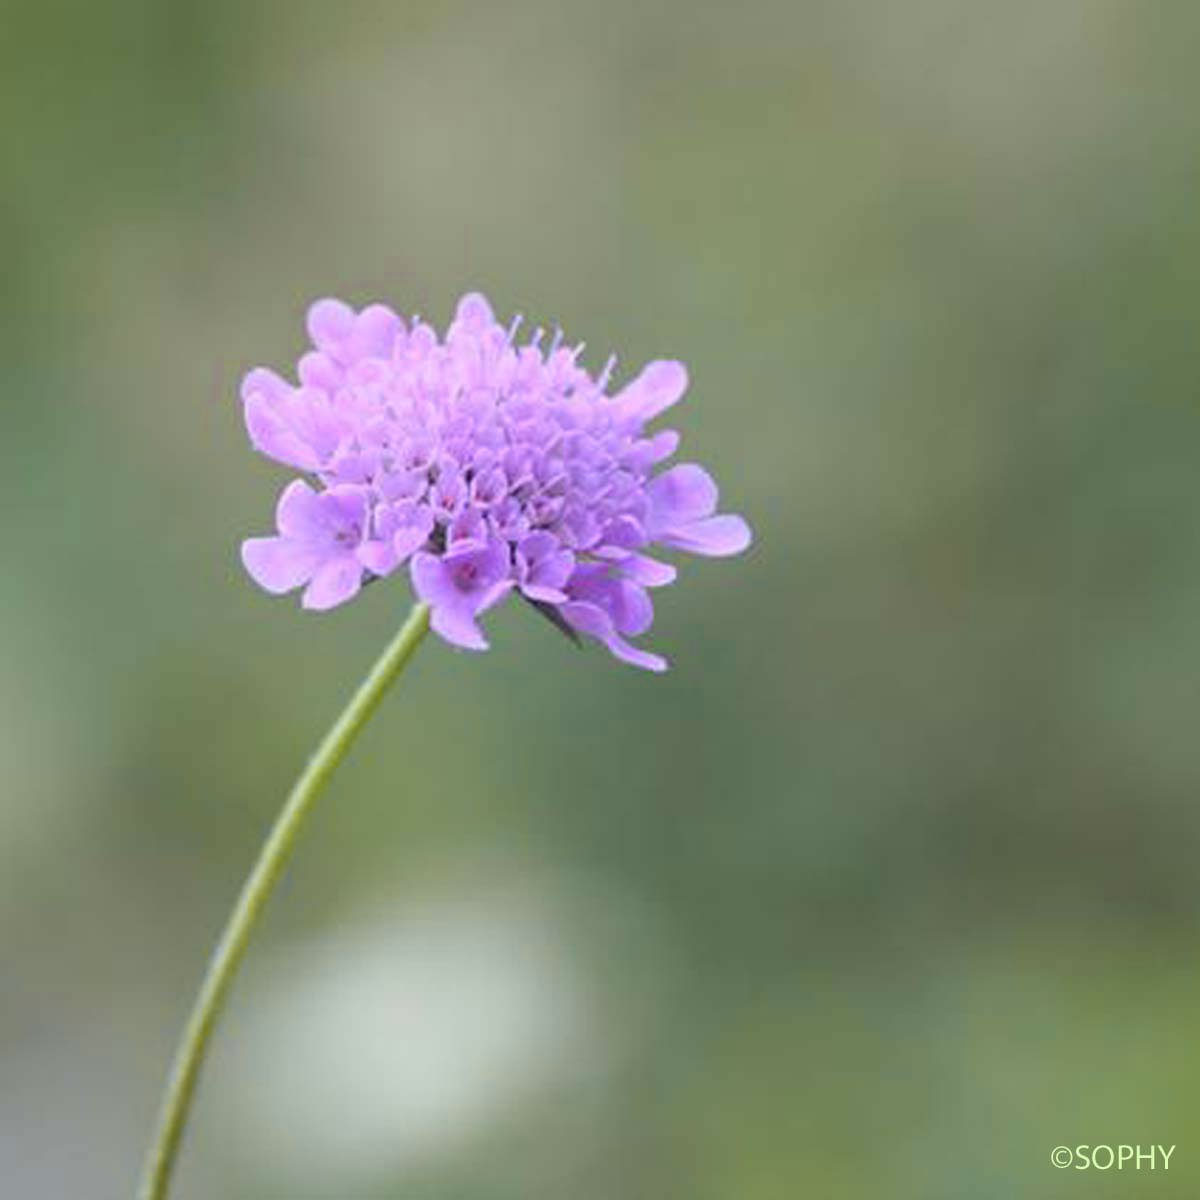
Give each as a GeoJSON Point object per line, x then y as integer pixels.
{"type": "Point", "coordinates": [460, 584]}
{"type": "Point", "coordinates": [487, 466]}
{"type": "Point", "coordinates": [319, 541]}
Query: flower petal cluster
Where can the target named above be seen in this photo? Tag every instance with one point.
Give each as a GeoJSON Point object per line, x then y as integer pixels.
{"type": "Point", "coordinates": [486, 466]}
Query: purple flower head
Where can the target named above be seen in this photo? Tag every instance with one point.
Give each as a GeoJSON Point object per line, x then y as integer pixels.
{"type": "Point", "coordinates": [487, 466]}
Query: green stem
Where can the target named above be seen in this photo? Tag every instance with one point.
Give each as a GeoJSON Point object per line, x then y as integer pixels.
{"type": "Point", "coordinates": [156, 1174]}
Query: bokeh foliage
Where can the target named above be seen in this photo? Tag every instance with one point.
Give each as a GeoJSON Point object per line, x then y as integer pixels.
{"type": "Point", "coordinates": [891, 885]}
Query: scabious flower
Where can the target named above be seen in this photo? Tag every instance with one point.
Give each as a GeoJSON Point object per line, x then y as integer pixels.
{"type": "Point", "coordinates": [487, 465]}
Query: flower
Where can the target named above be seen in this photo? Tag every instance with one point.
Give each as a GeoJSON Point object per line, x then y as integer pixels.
{"type": "Point", "coordinates": [489, 466]}
{"type": "Point", "coordinates": [460, 584]}
{"type": "Point", "coordinates": [320, 534]}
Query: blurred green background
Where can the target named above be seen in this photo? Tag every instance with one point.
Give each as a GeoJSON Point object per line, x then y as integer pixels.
{"type": "Point", "coordinates": [891, 885]}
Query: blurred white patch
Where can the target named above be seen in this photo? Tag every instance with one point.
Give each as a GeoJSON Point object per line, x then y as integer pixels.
{"type": "Point", "coordinates": [393, 1041]}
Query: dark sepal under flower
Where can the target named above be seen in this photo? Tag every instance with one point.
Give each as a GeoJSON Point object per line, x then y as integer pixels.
{"type": "Point", "coordinates": [487, 465]}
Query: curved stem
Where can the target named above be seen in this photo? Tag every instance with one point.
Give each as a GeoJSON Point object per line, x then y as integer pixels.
{"type": "Point", "coordinates": [156, 1174]}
